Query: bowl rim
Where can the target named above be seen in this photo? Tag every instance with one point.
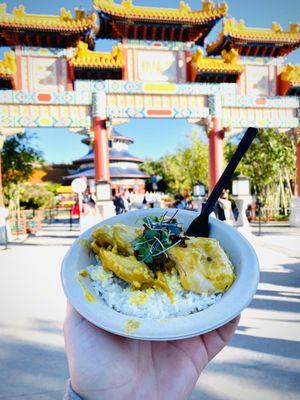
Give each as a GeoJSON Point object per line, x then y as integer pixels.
{"type": "Point", "coordinates": [250, 260]}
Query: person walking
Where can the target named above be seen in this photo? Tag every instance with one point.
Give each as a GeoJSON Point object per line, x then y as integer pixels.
{"type": "Point", "coordinates": [119, 204]}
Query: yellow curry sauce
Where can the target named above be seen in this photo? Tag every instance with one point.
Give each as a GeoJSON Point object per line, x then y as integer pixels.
{"type": "Point", "coordinates": [131, 325]}
{"type": "Point", "coordinates": [87, 294]}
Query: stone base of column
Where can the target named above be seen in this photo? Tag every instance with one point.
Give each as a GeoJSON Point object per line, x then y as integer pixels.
{"type": "Point", "coordinates": [242, 223]}
{"type": "Point", "coordinates": [295, 212]}
{"type": "Point", "coordinates": [198, 201]}
{"type": "Point", "coordinates": [106, 208]}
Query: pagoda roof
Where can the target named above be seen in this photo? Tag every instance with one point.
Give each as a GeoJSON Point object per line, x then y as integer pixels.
{"type": "Point", "coordinates": [8, 68]}
{"type": "Point", "coordinates": [117, 135]}
{"type": "Point", "coordinates": [20, 28]}
{"type": "Point", "coordinates": [257, 42]}
{"type": "Point", "coordinates": [90, 64]}
{"type": "Point", "coordinates": [113, 136]}
{"type": "Point", "coordinates": [114, 155]}
{"type": "Point", "coordinates": [225, 69]}
{"type": "Point", "coordinates": [125, 20]}
{"type": "Point", "coordinates": [115, 172]}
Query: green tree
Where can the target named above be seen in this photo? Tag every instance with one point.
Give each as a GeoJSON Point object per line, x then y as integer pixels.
{"type": "Point", "coordinates": [183, 168]}
{"type": "Point", "coordinates": [35, 196]}
{"type": "Point", "coordinates": [155, 167]}
{"type": "Point", "coordinates": [270, 164]}
{"type": "Point", "coordinates": [18, 157]}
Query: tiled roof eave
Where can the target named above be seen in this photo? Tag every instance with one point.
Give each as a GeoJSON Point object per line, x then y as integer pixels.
{"type": "Point", "coordinates": [4, 75]}
{"type": "Point", "coordinates": [188, 23]}
{"type": "Point", "coordinates": [134, 160]}
{"type": "Point", "coordinates": [46, 28]}
{"type": "Point", "coordinates": [285, 41]}
{"type": "Point", "coordinates": [157, 17]}
{"type": "Point", "coordinates": [96, 67]}
{"type": "Point", "coordinates": [91, 159]}
{"type": "Point", "coordinates": [260, 38]}
{"type": "Point", "coordinates": [220, 71]}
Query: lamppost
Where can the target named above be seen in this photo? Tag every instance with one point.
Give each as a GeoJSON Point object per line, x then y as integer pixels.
{"type": "Point", "coordinates": [199, 194]}
{"type": "Point", "coordinates": [241, 192]}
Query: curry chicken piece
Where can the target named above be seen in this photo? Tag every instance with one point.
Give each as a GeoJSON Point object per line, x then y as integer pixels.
{"type": "Point", "coordinates": [127, 268]}
{"type": "Point", "coordinates": [118, 237]}
{"type": "Point", "coordinates": [133, 271]}
{"type": "Point", "coordinates": [203, 265]}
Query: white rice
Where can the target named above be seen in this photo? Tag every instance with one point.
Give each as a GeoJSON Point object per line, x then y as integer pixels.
{"type": "Point", "coordinates": [149, 303]}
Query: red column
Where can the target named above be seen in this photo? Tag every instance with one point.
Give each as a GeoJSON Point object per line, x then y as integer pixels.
{"type": "Point", "coordinates": [190, 71]}
{"type": "Point", "coordinates": [101, 152]}
{"type": "Point", "coordinates": [70, 77]}
{"type": "Point", "coordinates": [298, 166]}
{"type": "Point", "coordinates": [215, 153]}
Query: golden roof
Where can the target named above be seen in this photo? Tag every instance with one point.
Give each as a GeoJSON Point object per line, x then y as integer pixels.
{"type": "Point", "coordinates": [291, 73]}
{"type": "Point", "coordinates": [65, 21]}
{"type": "Point", "coordinates": [8, 65]}
{"type": "Point", "coordinates": [228, 62]}
{"type": "Point", "coordinates": [184, 13]}
{"type": "Point", "coordinates": [238, 30]}
{"type": "Point", "coordinates": [85, 58]}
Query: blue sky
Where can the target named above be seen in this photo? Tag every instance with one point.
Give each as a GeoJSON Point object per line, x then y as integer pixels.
{"type": "Point", "coordinates": [153, 138]}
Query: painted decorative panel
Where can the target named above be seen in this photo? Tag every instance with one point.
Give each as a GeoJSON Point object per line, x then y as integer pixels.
{"type": "Point", "coordinates": [262, 60]}
{"type": "Point", "coordinates": [88, 86]}
{"type": "Point", "coordinates": [45, 116]}
{"type": "Point", "coordinates": [155, 106]}
{"type": "Point", "coordinates": [259, 80]}
{"type": "Point", "coordinates": [169, 88]}
{"type": "Point", "coordinates": [259, 101]}
{"type": "Point", "coordinates": [42, 51]}
{"type": "Point", "coordinates": [159, 66]}
{"type": "Point", "coordinates": [158, 45]}
{"type": "Point", "coordinates": [42, 69]}
{"type": "Point", "coordinates": [21, 97]}
{"type": "Point", "coordinates": [117, 86]}
{"type": "Point", "coordinates": [261, 118]}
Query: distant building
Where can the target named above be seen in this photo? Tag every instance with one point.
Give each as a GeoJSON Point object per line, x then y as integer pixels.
{"type": "Point", "coordinates": [54, 173]}
{"type": "Point", "coordinates": [124, 167]}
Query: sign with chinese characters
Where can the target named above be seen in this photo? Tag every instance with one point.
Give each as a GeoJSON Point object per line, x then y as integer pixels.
{"type": "Point", "coordinates": [159, 66]}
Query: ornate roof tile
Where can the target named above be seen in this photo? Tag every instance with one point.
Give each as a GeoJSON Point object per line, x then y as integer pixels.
{"type": "Point", "coordinates": [8, 65]}
{"type": "Point", "coordinates": [85, 58]}
{"type": "Point", "coordinates": [63, 22]}
{"type": "Point", "coordinates": [291, 73]}
{"type": "Point", "coordinates": [237, 31]}
{"type": "Point", "coordinates": [227, 64]}
{"type": "Point", "coordinates": [183, 14]}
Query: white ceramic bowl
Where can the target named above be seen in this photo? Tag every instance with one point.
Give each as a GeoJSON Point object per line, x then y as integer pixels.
{"type": "Point", "coordinates": [229, 306]}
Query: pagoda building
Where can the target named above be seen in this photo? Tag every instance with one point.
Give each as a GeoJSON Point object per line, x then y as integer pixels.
{"type": "Point", "coordinates": [124, 167]}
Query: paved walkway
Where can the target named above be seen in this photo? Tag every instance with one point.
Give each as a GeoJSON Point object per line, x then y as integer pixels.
{"type": "Point", "coordinates": [261, 363]}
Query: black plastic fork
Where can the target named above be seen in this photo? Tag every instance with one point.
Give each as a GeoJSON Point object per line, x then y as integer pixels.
{"type": "Point", "coordinates": [200, 225]}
